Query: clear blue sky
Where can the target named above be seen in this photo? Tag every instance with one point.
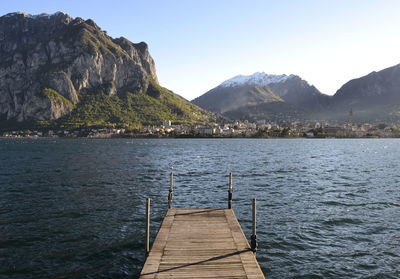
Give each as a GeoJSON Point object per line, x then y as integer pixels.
{"type": "Point", "coordinates": [197, 44]}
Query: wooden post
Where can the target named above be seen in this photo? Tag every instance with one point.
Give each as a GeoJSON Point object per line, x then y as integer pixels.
{"type": "Point", "coordinates": [147, 227]}
{"type": "Point", "coordinates": [254, 242]}
{"type": "Point", "coordinates": [230, 190]}
{"type": "Point", "coordinates": [171, 189]}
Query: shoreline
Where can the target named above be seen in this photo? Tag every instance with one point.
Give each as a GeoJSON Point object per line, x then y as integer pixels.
{"type": "Point", "coordinates": [187, 137]}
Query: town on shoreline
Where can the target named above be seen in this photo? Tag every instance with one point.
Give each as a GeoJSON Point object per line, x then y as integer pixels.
{"type": "Point", "coordinates": [235, 129]}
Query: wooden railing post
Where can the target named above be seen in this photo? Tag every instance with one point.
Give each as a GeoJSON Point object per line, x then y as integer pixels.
{"type": "Point", "coordinates": [147, 227]}
{"type": "Point", "coordinates": [171, 190]}
{"type": "Point", "coordinates": [230, 190]}
{"type": "Point", "coordinates": [254, 242]}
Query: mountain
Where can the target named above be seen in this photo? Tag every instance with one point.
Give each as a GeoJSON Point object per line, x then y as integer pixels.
{"type": "Point", "coordinates": [299, 93]}
{"type": "Point", "coordinates": [263, 96]}
{"type": "Point", "coordinates": [375, 88]}
{"type": "Point", "coordinates": [271, 111]}
{"type": "Point", "coordinates": [374, 97]}
{"type": "Point", "coordinates": [224, 99]}
{"type": "Point", "coordinates": [58, 67]}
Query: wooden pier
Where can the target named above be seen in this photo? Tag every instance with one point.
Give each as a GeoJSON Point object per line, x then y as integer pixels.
{"type": "Point", "coordinates": [201, 243]}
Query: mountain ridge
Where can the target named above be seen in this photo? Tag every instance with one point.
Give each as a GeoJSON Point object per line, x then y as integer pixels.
{"type": "Point", "coordinates": [374, 97]}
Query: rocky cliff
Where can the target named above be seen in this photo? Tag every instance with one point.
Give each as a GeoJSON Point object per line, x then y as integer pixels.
{"type": "Point", "coordinates": [47, 62]}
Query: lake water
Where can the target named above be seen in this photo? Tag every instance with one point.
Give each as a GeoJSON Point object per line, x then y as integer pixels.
{"type": "Point", "coordinates": [75, 208]}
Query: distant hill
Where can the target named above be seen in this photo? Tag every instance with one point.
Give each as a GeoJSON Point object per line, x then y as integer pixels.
{"type": "Point", "coordinates": [225, 99]}
{"type": "Point", "coordinates": [374, 97]}
{"type": "Point", "coordinates": [264, 96]}
{"type": "Point", "coordinates": [55, 67]}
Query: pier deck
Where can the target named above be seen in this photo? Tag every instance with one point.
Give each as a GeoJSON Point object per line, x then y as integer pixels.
{"type": "Point", "coordinates": [200, 243]}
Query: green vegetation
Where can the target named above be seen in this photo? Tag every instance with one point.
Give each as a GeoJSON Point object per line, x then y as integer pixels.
{"type": "Point", "coordinates": [57, 98]}
{"type": "Point", "coordinates": [95, 41]}
{"type": "Point", "coordinates": [129, 110]}
{"type": "Point", "coordinates": [91, 37]}
{"type": "Point", "coordinates": [134, 110]}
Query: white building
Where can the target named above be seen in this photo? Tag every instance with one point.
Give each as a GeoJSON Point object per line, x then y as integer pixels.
{"type": "Point", "coordinates": [166, 123]}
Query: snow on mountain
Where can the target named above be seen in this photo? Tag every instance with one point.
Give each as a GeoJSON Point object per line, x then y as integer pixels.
{"type": "Point", "coordinates": [28, 15]}
{"type": "Point", "coordinates": [258, 78]}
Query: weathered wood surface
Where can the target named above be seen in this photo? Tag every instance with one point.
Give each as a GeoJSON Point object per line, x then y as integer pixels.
{"type": "Point", "coordinates": [200, 243]}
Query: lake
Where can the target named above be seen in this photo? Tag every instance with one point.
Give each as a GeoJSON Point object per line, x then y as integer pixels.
{"type": "Point", "coordinates": [75, 208]}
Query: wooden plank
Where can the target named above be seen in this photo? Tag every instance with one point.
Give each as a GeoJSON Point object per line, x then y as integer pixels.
{"type": "Point", "coordinates": [249, 261]}
{"type": "Point", "coordinates": [156, 252]}
{"type": "Point", "coordinates": [200, 243]}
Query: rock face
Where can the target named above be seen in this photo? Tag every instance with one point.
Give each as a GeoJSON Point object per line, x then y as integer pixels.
{"type": "Point", "coordinates": [46, 61]}
{"type": "Point", "coordinates": [263, 96]}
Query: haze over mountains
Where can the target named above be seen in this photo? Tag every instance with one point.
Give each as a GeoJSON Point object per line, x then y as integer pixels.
{"type": "Point", "coordinates": [58, 67]}
{"type": "Point", "coordinates": [374, 97]}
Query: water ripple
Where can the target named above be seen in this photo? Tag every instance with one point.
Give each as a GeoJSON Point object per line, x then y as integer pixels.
{"type": "Point", "coordinates": [75, 208]}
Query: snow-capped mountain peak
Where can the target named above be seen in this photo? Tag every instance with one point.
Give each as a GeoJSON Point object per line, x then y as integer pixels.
{"type": "Point", "coordinates": [258, 78]}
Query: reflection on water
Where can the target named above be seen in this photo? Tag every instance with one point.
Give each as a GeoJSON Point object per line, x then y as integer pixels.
{"type": "Point", "coordinates": [75, 208]}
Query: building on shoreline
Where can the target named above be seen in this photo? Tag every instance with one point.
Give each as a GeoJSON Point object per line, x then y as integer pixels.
{"type": "Point", "coordinates": [260, 129]}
